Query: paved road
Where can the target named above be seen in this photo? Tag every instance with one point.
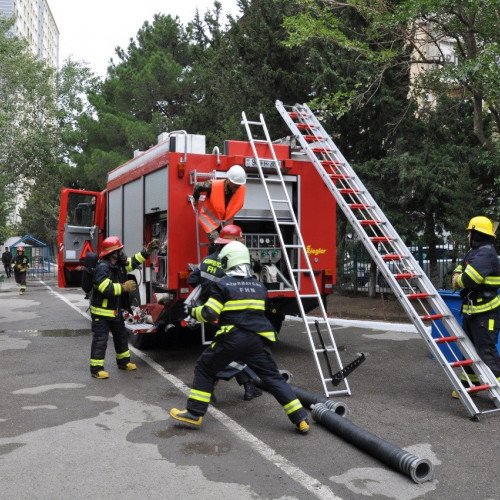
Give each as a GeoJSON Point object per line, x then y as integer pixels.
{"type": "Point", "coordinates": [65, 435]}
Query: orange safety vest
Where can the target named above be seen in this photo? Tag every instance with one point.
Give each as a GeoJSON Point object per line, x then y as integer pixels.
{"type": "Point", "coordinates": [214, 212]}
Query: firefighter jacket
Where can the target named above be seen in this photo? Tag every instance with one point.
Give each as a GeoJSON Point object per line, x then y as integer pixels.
{"type": "Point", "coordinates": [7, 258]}
{"type": "Point", "coordinates": [20, 263]}
{"type": "Point", "coordinates": [220, 206]}
{"type": "Point", "coordinates": [106, 299]}
{"type": "Point", "coordinates": [237, 302]}
{"type": "Point", "coordinates": [208, 272]}
{"type": "Point", "coordinates": [479, 279]}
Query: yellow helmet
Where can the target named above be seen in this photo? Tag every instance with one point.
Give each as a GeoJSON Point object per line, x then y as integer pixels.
{"type": "Point", "coordinates": [481, 224]}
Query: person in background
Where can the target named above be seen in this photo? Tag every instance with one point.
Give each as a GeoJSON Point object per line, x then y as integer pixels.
{"type": "Point", "coordinates": [224, 198]}
{"type": "Point", "coordinates": [478, 279]}
{"type": "Point", "coordinates": [238, 303]}
{"type": "Point", "coordinates": [108, 299]}
{"type": "Point", "coordinates": [7, 262]}
{"type": "Point", "coordinates": [20, 264]}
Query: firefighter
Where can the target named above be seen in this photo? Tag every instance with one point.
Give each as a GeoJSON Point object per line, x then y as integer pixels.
{"type": "Point", "coordinates": [20, 264]}
{"type": "Point", "coordinates": [224, 199]}
{"type": "Point", "coordinates": [238, 303]}
{"type": "Point", "coordinates": [7, 262]}
{"type": "Point", "coordinates": [208, 272]}
{"type": "Point", "coordinates": [109, 297]}
{"type": "Point", "coordinates": [478, 279]}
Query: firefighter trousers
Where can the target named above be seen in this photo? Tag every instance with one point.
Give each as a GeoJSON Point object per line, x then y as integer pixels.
{"type": "Point", "coordinates": [250, 348]}
{"type": "Point", "coordinates": [20, 278]}
{"type": "Point", "coordinates": [483, 329]}
{"type": "Point", "coordinates": [100, 332]}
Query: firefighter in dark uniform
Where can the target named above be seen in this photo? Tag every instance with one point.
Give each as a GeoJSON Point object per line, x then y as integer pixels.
{"type": "Point", "coordinates": [478, 279]}
{"type": "Point", "coordinates": [108, 297]}
{"type": "Point", "coordinates": [20, 264]}
{"type": "Point", "coordinates": [238, 303]}
{"type": "Point", "coordinates": [208, 272]}
{"type": "Point", "coordinates": [7, 262]}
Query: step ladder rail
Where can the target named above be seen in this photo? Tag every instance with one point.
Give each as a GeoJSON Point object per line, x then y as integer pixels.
{"type": "Point", "coordinates": [392, 254]}
{"type": "Point", "coordinates": [300, 245]}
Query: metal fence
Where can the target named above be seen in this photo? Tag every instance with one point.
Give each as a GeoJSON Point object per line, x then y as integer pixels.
{"type": "Point", "coordinates": [355, 267]}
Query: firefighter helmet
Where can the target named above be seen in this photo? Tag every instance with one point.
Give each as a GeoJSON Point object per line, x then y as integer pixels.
{"type": "Point", "coordinates": [481, 224]}
{"type": "Point", "coordinates": [110, 245]}
{"type": "Point", "coordinates": [237, 175]}
{"type": "Point", "coordinates": [20, 248]}
{"type": "Point", "coordinates": [229, 233]}
{"type": "Point", "coordinates": [234, 254]}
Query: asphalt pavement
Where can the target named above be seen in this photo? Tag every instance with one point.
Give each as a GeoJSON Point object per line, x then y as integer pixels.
{"type": "Point", "coordinates": [64, 435]}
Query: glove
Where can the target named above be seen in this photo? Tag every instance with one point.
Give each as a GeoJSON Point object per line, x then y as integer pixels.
{"type": "Point", "coordinates": [129, 286]}
{"type": "Point", "coordinates": [152, 245]}
{"type": "Point", "coordinates": [187, 310]}
{"type": "Point", "coordinates": [454, 278]}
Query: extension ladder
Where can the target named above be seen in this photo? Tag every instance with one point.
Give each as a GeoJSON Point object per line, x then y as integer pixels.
{"type": "Point", "coordinates": [394, 260]}
{"type": "Point", "coordinates": [281, 199]}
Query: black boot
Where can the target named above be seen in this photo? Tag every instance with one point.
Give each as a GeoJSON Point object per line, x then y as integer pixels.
{"type": "Point", "coordinates": [251, 391]}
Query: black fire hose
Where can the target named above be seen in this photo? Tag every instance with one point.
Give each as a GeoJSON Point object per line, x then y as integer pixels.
{"type": "Point", "coordinates": [308, 399]}
{"type": "Point", "coordinates": [418, 469]}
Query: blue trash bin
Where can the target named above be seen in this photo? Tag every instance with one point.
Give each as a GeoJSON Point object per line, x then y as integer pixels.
{"type": "Point", "coordinates": [454, 303]}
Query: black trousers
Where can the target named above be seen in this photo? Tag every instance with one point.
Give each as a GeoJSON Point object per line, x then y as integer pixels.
{"type": "Point", "coordinates": [482, 329]}
{"type": "Point", "coordinates": [8, 270]}
{"type": "Point", "coordinates": [250, 348]}
{"type": "Point", "coordinates": [20, 278]}
{"type": "Point", "coordinates": [100, 332]}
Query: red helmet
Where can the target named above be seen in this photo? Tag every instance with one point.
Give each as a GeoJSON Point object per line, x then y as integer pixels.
{"type": "Point", "coordinates": [229, 233]}
{"type": "Point", "coordinates": [110, 245]}
{"type": "Point", "coordinates": [20, 248]}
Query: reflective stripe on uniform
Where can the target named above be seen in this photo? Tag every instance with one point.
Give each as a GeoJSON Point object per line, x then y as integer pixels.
{"type": "Point", "coordinates": [196, 314]}
{"type": "Point", "coordinates": [239, 305]}
{"type": "Point", "coordinates": [103, 285]}
{"type": "Point", "coordinates": [491, 325]}
{"type": "Point", "coordinates": [138, 257]}
{"type": "Point", "coordinates": [292, 406]}
{"type": "Point", "coordinates": [117, 289]}
{"type": "Point", "coordinates": [224, 329]}
{"type": "Point", "coordinates": [209, 276]}
{"type": "Point", "coordinates": [473, 274]}
{"type": "Point", "coordinates": [215, 305]}
{"type": "Point", "coordinates": [204, 397]}
{"type": "Point", "coordinates": [123, 355]}
{"type": "Point", "coordinates": [475, 309]}
{"type": "Point", "coordinates": [268, 335]}
{"type": "Point", "coordinates": [99, 311]}
{"type": "Point", "coordinates": [492, 280]}
{"type": "Point", "coordinates": [96, 362]}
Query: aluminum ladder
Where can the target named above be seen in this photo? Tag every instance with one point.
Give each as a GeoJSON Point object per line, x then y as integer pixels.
{"type": "Point", "coordinates": [319, 347]}
{"type": "Point", "coordinates": [410, 285]}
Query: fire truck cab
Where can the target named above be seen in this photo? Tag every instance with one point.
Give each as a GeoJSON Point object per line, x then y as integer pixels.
{"type": "Point", "coordinates": [149, 197]}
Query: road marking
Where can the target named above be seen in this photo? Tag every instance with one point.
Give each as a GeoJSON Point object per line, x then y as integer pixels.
{"type": "Point", "coordinates": [308, 482]}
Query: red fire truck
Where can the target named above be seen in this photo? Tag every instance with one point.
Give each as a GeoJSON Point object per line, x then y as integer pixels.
{"type": "Point", "coordinates": [149, 197]}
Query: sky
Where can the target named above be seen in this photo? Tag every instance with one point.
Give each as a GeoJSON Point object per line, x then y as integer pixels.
{"type": "Point", "coordinates": [89, 30]}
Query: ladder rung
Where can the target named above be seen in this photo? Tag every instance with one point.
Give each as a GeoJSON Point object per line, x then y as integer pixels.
{"type": "Point", "coordinates": [415, 296]}
{"type": "Point", "coordinates": [339, 177]}
{"type": "Point", "coordinates": [255, 123]}
{"type": "Point", "coordinates": [349, 191]}
{"type": "Point", "coordinates": [308, 295]}
{"type": "Point", "coordinates": [330, 163]}
{"type": "Point", "coordinates": [369, 222]}
{"type": "Point", "coordinates": [286, 223]}
{"type": "Point", "coordinates": [443, 340]}
{"type": "Point", "coordinates": [296, 114]}
{"type": "Point", "coordinates": [358, 206]}
{"type": "Point", "coordinates": [313, 138]}
{"type": "Point", "coordinates": [463, 362]}
{"type": "Point", "coordinates": [321, 150]}
{"type": "Point", "coordinates": [302, 271]}
{"type": "Point", "coordinates": [431, 317]}
{"type": "Point", "coordinates": [380, 239]}
{"type": "Point", "coordinates": [478, 388]}
{"type": "Point", "coordinates": [305, 126]}
{"type": "Point", "coordinates": [392, 257]}
{"type": "Point", "coordinates": [405, 276]}
{"type": "Point", "coordinates": [279, 201]}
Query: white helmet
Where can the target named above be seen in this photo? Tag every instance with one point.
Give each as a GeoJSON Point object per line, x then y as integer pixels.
{"type": "Point", "coordinates": [234, 254]}
{"type": "Point", "coordinates": [237, 175]}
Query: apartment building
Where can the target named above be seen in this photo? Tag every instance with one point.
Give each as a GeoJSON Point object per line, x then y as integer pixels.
{"type": "Point", "coordinates": [35, 23]}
